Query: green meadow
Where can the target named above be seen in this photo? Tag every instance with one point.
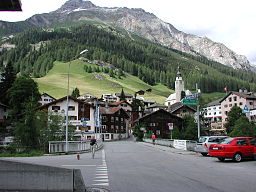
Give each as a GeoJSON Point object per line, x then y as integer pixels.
{"type": "Point", "coordinates": [56, 81]}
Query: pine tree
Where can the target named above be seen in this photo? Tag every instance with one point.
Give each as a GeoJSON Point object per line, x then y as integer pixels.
{"type": "Point", "coordinates": [75, 93]}
{"type": "Point", "coordinates": [122, 95]}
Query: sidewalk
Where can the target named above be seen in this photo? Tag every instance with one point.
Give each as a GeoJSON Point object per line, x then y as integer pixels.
{"type": "Point", "coordinates": [169, 149]}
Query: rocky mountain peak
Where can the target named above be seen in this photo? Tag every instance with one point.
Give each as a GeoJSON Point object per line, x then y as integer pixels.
{"type": "Point", "coordinates": [71, 5]}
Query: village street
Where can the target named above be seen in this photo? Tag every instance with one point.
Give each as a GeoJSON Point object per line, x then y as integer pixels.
{"type": "Point", "coordinates": [126, 166]}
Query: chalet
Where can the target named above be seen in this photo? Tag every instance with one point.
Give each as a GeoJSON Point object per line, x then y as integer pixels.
{"type": "Point", "coordinates": [45, 98]}
{"type": "Point", "coordinates": [181, 110]}
{"type": "Point", "coordinates": [157, 122]}
{"type": "Point", "coordinates": [78, 111]}
{"type": "Point", "coordinates": [114, 123]}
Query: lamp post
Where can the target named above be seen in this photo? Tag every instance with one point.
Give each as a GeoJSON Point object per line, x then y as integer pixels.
{"type": "Point", "coordinates": [82, 52]}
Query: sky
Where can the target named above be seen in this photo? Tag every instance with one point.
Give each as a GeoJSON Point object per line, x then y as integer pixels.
{"type": "Point", "coordinates": [230, 22]}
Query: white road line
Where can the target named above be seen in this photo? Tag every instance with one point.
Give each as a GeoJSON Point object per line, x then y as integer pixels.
{"type": "Point", "coordinates": [101, 180]}
{"type": "Point", "coordinates": [102, 184]}
{"type": "Point", "coordinates": [102, 177]}
{"type": "Point", "coordinates": [79, 165]}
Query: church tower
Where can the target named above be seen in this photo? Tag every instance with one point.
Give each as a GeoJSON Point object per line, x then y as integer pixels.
{"type": "Point", "coordinates": [179, 85]}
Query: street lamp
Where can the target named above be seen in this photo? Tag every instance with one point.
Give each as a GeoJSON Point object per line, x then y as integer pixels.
{"type": "Point", "coordinates": [82, 52]}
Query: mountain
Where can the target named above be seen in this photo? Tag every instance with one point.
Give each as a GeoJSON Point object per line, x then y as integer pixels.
{"type": "Point", "coordinates": [137, 21]}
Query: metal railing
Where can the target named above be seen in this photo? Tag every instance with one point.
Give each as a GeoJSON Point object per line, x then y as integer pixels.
{"type": "Point", "coordinates": [73, 146]}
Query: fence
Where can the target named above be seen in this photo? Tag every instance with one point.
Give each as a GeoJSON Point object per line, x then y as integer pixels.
{"type": "Point", "coordinates": [73, 146]}
{"type": "Point", "coordinates": [178, 144]}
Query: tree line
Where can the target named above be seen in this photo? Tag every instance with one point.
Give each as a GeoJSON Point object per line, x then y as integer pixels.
{"type": "Point", "coordinates": [150, 62]}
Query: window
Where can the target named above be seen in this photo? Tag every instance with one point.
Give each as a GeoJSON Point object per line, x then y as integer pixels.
{"type": "Point", "coordinates": [55, 108]}
{"type": "Point", "coordinates": [214, 113]}
{"type": "Point", "coordinates": [225, 106]}
{"type": "Point", "coordinates": [253, 142]}
{"type": "Point", "coordinates": [230, 99]}
{"type": "Point", "coordinates": [241, 103]}
{"type": "Point", "coordinates": [250, 103]}
{"type": "Point", "coordinates": [71, 108]}
{"type": "Point", "coordinates": [235, 98]}
{"type": "Point", "coordinates": [116, 118]}
{"type": "Point", "coordinates": [72, 118]}
{"type": "Point", "coordinates": [45, 99]}
{"type": "Point", "coordinates": [235, 104]}
{"type": "Point", "coordinates": [230, 105]}
{"type": "Point", "coordinates": [104, 126]}
{"type": "Point", "coordinates": [219, 107]}
{"type": "Point", "coordinates": [226, 113]}
{"type": "Point", "coordinates": [241, 142]}
{"type": "Point", "coordinates": [112, 119]}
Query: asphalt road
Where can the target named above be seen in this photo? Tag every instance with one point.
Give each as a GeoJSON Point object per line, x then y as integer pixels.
{"type": "Point", "coordinates": [128, 166]}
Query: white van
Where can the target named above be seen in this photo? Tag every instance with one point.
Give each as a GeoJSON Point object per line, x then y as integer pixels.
{"type": "Point", "coordinates": [204, 142]}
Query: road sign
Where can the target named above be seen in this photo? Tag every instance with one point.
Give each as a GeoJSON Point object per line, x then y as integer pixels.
{"type": "Point", "coordinates": [246, 109]}
{"type": "Point", "coordinates": [189, 101]}
{"type": "Point", "coordinates": [170, 125]}
{"type": "Point", "coordinates": [193, 96]}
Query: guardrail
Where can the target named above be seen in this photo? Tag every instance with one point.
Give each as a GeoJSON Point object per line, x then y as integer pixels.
{"type": "Point", "coordinates": [188, 145]}
{"type": "Point", "coordinates": [73, 146]}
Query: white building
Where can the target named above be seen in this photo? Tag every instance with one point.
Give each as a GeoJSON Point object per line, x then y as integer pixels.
{"type": "Point", "coordinates": [77, 111]}
{"type": "Point", "coordinates": [109, 98]}
{"type": "Point", "coordinates": [213, 117]}
{"type": "Point", "coordinates": [179, 87]}
{"type": "Point", "coordinates": [45, 98]}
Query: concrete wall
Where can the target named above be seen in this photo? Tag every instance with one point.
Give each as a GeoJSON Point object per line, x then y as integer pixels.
{"type": "Point", "coordinates": [20, 176]}
{"type": "Point", "coordinates": [178, 144]}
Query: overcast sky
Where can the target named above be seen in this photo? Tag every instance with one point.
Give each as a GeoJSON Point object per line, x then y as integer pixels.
{"type": "Point", "coordinates": [231, 22]}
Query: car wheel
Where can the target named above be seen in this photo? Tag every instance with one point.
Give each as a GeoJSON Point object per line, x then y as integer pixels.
{"type": "Point", "coordinates": [221, 159]}
{"type": "Point", "coordinates": [237, 157]}
{"type": "Point", "coordinates": [204, 154]}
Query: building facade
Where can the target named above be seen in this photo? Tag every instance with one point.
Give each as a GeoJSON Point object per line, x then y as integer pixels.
{"type": "Point", "coordinates": [78, 111]}
{"type": "Point", "coordinates": [242, 99]}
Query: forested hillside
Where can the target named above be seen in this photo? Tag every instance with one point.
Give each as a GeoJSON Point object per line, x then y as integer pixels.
{"type": "Point", "coordinates": [37, 49]}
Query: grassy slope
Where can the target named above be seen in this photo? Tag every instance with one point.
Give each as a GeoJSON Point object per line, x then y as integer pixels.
{"type": "Point", "coordinates": [55, 83]}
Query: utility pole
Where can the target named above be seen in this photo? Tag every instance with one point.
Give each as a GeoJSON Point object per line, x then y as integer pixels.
{"type": "Point", "coordinates": [197, 112]}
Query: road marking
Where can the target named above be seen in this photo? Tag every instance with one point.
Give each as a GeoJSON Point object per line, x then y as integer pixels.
{"type": "Point", "coordinates": [102, 184]}
{"type": "Point", "coordinates": [101, 176]}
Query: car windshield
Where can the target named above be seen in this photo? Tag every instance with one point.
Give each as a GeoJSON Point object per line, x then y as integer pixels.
{"type": "Point", "coordinates": [216, 139]}
{"type": "Point", "coordinates": [226, 141]}
{"type": "Point", "coordinates": [201, 139]}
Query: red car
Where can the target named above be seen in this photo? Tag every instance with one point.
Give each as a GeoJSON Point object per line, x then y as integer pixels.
{"type": "Point", "coordinates": [235, 148]}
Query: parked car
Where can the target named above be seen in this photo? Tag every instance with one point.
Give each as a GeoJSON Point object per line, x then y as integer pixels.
{"type": "Point", "coordinates": [204, 142]}
{"type": "Point", "coordinates": [236, 148]}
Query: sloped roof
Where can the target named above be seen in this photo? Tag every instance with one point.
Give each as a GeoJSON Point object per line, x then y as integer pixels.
{"type": "Point", "coordinates": [120, 102]}
{"type": "Point", "coordinates": [248, 95]}
{"type": "Point", "coordinates": [174, 107]}
{"type": "Point", "coordinates": [158, 111]}
{"type": "Point", "coordinates": [62, 99]}
{"type": "Point", "coordinates": [157, 105]}
{"type": "Point", "coordinates": [48, 95]}
{"type": "Point", "coordinates": [214, 103]}
{"type": "Point", "coordinates": [111, 110]}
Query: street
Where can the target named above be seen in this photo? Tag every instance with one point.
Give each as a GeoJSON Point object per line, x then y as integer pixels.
{"type": "Point", "coordinates": [128, 166]}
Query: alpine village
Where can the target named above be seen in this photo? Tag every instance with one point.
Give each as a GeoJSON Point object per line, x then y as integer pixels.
{"type": "Point", "coordinates": [117, 73]}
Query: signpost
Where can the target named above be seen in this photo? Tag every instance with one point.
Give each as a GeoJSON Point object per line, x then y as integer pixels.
{"type": "Point", "coordinates": [189, 101]}
{"type": "Point", "coordinates": [170, 125]}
